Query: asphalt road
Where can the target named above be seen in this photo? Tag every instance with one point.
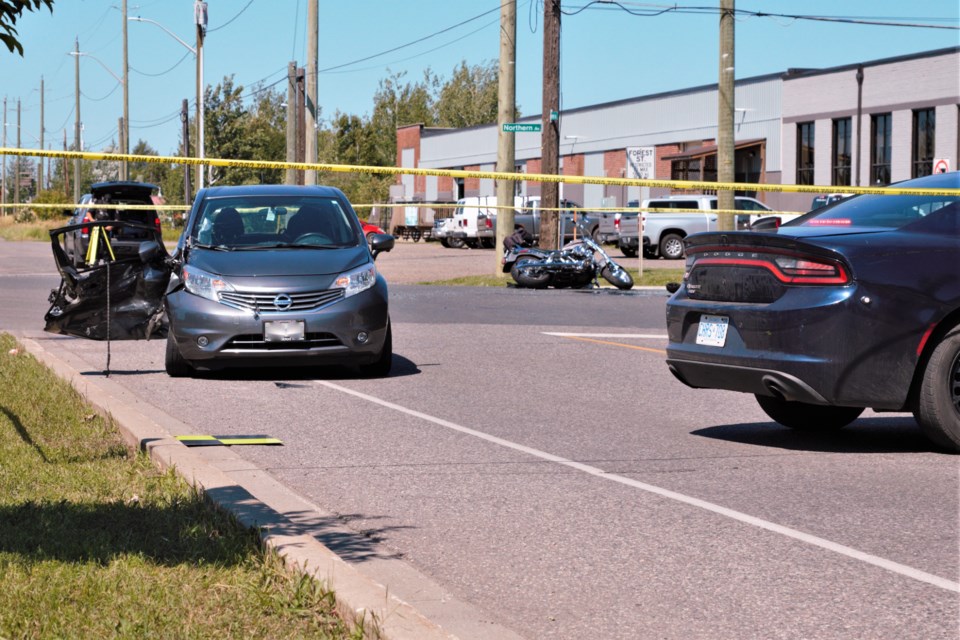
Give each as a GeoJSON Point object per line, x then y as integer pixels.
{"type": "Point", "coordinates": [567, 485]}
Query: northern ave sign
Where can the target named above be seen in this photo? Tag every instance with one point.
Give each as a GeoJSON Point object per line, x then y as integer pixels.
{"type": "Point", "coordinates": [517, 127]}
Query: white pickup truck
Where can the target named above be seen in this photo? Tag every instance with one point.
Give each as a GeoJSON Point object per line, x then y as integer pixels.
{"type": "Point", "coordinates": [663, 233]}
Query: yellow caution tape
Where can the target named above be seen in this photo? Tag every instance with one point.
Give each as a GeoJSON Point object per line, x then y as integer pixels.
{"type": "Point", "coordinates": [687, 185]}
{"type": "Point", "coordinates": [67, 205]}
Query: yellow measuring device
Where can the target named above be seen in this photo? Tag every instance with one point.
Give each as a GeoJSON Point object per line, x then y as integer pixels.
{"type": "Point", "coordinates": [93, 247]}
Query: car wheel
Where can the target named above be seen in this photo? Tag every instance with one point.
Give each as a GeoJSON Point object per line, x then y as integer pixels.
{"type": "Point", "coordinates": [938, 406]}
{"type": "Point", "coordinates": [628, 252]}
{"type": "Point", "coordinates": [533, 279]}
{"type": "Point", "coordinates": [455, 243]}
{"type": "Point", "coordinates": [808, 417]}
{"type": "Point", "coordinates": [380, 368]}
{"type": "Point", "coordinates": [174, 363]}
{"type": "Point", "coordinates": [488, 243]}
{"type": "Point", "coordinates": [671, 246]}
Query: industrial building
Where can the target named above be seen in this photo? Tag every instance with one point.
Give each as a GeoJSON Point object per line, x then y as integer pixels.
{"type": "Point", "coordinates": [871, 123]}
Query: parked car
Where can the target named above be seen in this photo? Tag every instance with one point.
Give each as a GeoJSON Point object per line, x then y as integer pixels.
{"type": "Point", "coordinates": [827, 199]}
{"type": "Point", "coordinates": [848, 307]}
{"type": "Point", "coordinates": [261, 274]}
{"type": "Point", "coordinates": [370, 230]}
{"type": "Point", "coordinates": [124, 240]}
{"type": "Point", "coordinates": [663, 233]}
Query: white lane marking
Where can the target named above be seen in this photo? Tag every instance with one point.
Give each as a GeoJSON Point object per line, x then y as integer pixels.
{"type": "Point", "coordinates": [883, 563]}
{"type": "Point", "coordinates": [605, 335]}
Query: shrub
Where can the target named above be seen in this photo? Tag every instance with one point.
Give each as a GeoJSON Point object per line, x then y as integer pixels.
{"type": "Point", "coordinates": [52, 197]}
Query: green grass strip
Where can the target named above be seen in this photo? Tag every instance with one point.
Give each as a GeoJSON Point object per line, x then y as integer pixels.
{"type": "Point", "coordinates": [96, 542]}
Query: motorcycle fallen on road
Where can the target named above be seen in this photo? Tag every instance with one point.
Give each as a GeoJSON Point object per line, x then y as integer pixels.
{"type": "Point", "coordinates": [578, 264]}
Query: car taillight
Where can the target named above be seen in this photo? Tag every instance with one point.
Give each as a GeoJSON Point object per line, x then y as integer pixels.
{"type": "Point", "coordinates": [489, 223]}
{"type": "Point", "coordinates": [616, 223]}
{"type": "Point", "coordinates": [156, 223]}
{"type": "Point", "coordinates": [787, 268]}
{"type": "Point", "coordinates": [85, 231]}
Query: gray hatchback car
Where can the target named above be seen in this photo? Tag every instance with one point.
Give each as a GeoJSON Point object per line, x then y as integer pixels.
{"type": "Point", "coordinates": [261, 275]}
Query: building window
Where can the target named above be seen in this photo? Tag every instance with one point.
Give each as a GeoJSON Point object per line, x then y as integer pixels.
{"type": "Point", "coordinates": [805, 153]}
{"type": "Point", "coordinates": [880, 128]}
{"type": "Point", "coordinates": [841, 152]}
{"type": "Point", "coordinates": [924, 125]}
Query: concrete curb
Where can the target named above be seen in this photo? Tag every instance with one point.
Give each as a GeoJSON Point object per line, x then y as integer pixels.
{"type": "Point", "coordinates": [258, 501]}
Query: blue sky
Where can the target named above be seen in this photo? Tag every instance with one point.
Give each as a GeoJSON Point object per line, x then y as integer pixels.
{"type": "Point", "coordinates": [606, 53]}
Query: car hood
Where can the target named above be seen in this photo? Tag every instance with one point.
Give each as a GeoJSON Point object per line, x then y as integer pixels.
{"type": "Point", "coordinates": [279, 262]}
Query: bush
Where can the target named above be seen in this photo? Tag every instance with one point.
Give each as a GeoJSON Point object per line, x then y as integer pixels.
{"type": "Point", "coordinates": [51, 213]}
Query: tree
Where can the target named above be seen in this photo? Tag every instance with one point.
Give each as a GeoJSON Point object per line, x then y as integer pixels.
{"type": "Point", "coordinates": [397, 103]}
{"type": "Point", "coordinates": [152, 172]}
{"type": "Point", "coordinates": [470, 97]}
{"type": "Point", "coordinates": [10, 13]}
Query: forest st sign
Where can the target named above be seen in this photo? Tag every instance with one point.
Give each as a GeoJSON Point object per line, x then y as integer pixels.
{"type": "Point", "coordinates": [516, 127]}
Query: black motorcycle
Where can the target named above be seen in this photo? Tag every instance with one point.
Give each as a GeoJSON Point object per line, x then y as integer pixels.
{"type": "Point", "coordinates": [576, 265]}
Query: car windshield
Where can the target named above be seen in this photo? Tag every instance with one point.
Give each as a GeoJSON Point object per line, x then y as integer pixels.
{"type": "Point", "coordinates": [878, 211]}
{"type": "Point", "coordinates": [267, 222]}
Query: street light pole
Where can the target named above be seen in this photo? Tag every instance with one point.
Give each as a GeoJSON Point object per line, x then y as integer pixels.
{"type": "Point", "coordinates": [76, 122]}
{"type": "Point", "coordinates": [125, 131]}
{"type": "Point", "coordinates": [200, 18]}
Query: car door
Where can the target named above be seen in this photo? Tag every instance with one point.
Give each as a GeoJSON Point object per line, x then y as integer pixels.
{"type": "Point", "coordinates": [112, 299]}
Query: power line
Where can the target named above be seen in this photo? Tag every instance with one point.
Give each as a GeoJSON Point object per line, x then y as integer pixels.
{"type": "Point", "coordinates": [239, 13]}
{"type": "Point", "coordinates": [154, 75]}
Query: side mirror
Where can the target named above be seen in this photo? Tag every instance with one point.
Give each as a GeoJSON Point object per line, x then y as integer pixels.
{"type": "Point", "coordinates": [380, 242]}
{"type": "Point", "coordinates": [673, 287]}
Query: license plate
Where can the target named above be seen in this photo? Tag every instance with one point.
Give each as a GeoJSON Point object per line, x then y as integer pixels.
{"type": "Point", "coordinates": [712, 331]}
{"type": "Point", "coordinates": [283, 330]}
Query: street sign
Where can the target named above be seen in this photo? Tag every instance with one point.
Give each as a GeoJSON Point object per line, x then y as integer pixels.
{"type": "Point", "coordinates": [641, 162]}
{"type": "Point", "coordinates": [518, 127]}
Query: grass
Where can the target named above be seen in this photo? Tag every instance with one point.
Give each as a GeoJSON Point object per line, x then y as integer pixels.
{"type": "Point", "coordinates": [96, 542]}
{"type": "Point", "coordinates": [40, 229]}
{"type": "Point", "coordinates": [651, 278]}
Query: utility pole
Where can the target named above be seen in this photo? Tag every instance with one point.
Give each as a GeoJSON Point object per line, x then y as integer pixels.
{"type": "Point", "coordinates": [550, 145]}
{"type": "Point", "coordinates": [310, 127]}
{"type": "Point", "coordinates": [726, 150]}
{"type": "Point", "coordinates": [122, 145]}
{"type": "Point", "coordinates": [125, 123]}
{"type": "Point", "coordinates": [200, 18]}
{"type": "Point", "coordinates": [185, 121]}
{"type": "Point", "coordinates": [301, 122]}
{"type": "Point", "coordinates": [76, 121]}
{"type": "Point", "coordinates": [506, 112]}
{"type": "Point", "coordinates": [3, 161]}
{"type": "Point", "coordinates": [290, 176]}
{"type": "Point", "coordinates": [63, 168]}
{"type": "Point", "coordinates": [40, 165]}
{"type": "Point", "coordinates": [16, 178]}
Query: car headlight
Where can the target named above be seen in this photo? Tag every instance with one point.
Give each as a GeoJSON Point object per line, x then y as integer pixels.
{"type": "Point", "coordinates": [353, 282]}
{"type": "Point", "coordinates": [203, 284]}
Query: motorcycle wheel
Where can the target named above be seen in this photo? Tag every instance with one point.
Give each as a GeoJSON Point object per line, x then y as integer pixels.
{"type": "Point", "coordinates": [532, 279]}
{"type": "Point", "coordinates": [617, 276]}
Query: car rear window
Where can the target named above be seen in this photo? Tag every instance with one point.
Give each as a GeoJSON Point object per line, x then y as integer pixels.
{"type": "Point", "coordinates": [879, 211]}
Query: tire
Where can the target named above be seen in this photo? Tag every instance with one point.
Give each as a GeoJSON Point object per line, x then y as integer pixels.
{"type": "Point", "coordinates": [174, 363]}
{"type": "Point", "coordinates": [473, 243]}
{"type": "Point", "coordinates": [617, 276]}
{"type": "Point", "coordinates": [444, 242]}
{"type": "Point", "coordinates": [539, 280]}
{"type": "Point", "coordinates": [628, 252]}
{"type": "Point", "coordinates": [671, 246]}
{"type": "Point", "coordinates": [488, 243]}
{"type": "Point", "coordinates": [455, 243]}
{"type": "Point", "coordinates": [380, 368]}
{"type": "Point", "coordinates": [595, 234]}
{"type": "Point", "coordinates": [938, 404]}
{"type": "Point", "coordinates": [808, 417]}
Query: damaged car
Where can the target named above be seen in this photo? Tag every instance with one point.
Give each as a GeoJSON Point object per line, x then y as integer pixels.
{"type": "Point", "coordinates": [261, 275]}
{"type": "Point", "coordinates": [854, 305]}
